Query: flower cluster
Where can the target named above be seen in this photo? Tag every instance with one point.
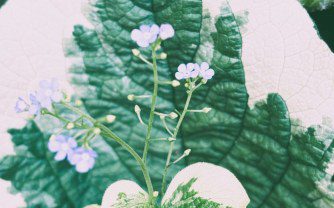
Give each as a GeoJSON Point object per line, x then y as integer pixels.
{"type": "Point", "coordinates": [66, 147]}
{"type": "Point", "coordinates": [47, 93]}
{"type": "Point", "coordinates": [193, 70]}
{"type": "Point", "coordinates": [147, 34]}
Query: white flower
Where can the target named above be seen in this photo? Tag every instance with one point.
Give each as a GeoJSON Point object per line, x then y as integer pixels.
{"type": "Point", "coordinates": [186, 71]}
{"type": "Point", "coordinates": [166, 31]}
{"type": "Point", "coordinates": [204, 71]}
{"type": "Point", "coordinates": [145, 35]}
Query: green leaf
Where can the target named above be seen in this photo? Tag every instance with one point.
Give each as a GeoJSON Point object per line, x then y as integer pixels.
{"type": "Point", "coordinates": [279, 166]}
{"type": "Point", "coordinates": [185, 197]}
{"type": "Point", "coordinates": [313, 5]}
{"type": "Point", "coordinates": [2, 2]}
{"type": "Point", "coordinates": [45, 182]}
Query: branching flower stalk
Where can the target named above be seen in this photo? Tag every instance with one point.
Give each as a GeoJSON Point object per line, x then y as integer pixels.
{"type": "Point", "coordinates": [76, 149]}
{"type": "Point", "coordinates": [107, 133]}
{"type": "Point", "coordinates": [154, 99]}
{"type": "Point", "coordinates": [175, 133]}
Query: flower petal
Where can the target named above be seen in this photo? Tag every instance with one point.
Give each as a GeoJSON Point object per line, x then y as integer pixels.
{"type": "Point", "coordinates": [154, 30]}
{"type": "Point", "coordinates": [205, 66]}
{"type": "Point", "coordinates": [82, 167]}
{"type": "Point", "coordinates": [190, 67]}
{"type": "Point", "coordinates": [143, 43]}
{"type": "Point", "coordinates": [53, 145]}
{"type": "Point", "coordinates": [179, 75]}
{"type": "Point", "coordinates": [61, 155]}
{"type": "Point", "coordinates": [72, 143]}
{"type": "Point", "coordinates": [182, 68]}
{"type": "Point", "coordinates": [145, 28]}
{"type": "Point", "coordinates": [166, 31]}
{"type": "Point", "coordinates": [136, 35]}
{"type": "Point", "coordinates": [208, 74]}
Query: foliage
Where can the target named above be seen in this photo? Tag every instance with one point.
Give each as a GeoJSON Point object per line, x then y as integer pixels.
{"type": "Point", "coordinates": [278, 165]}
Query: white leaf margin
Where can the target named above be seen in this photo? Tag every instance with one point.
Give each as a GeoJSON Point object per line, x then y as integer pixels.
{"type": "Point", "coordinates": [213, 182]}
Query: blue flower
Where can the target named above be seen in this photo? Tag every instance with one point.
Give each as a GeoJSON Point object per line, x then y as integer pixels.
{"type": "Point", "coordinates": [83, 159]}
{"type": "Point", "coordinates": [186, 71]}
{"type": "Point", "coordinates": [145, 35]}
{"type": "Point", "coordinates": [21, 105]}
{"type": "Point", "coordinates": [48, 92]}
{"type": "Point", "coordinates": [204, 71]}
{"type": "Point", "coordinates": [62, 145]}
{"type": "Point", "coordinates": [166, 31]}
{"type": "Point", "coordinates": [35, 106]}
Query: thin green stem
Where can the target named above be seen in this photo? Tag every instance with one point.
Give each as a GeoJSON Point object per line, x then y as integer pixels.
{"type": "Point", "coordinates": [154, 98]}
{"type": "Point", "coordinates": [106, 132]}
{"type": "Point", "coordinates": [171, 146]}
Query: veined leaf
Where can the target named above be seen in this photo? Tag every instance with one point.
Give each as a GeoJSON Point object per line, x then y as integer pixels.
{"type": "Point", "coordinates": [278, 165]}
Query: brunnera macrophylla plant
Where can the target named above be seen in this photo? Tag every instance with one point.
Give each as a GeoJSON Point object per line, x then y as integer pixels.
{"type": "Point", "coordinates": [278, 162]}
{"type": "Point", "coordinates": [76, 147]}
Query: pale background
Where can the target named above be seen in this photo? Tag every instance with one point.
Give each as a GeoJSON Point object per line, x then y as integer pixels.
{"type": "Point", "coordinates": [281, 53]}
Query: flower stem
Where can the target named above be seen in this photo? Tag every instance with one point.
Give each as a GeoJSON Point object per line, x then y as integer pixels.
{"type": "Point", "coordinates": [154, 98]}
{"type": "Point", "coordinates": [107, 133]}
{"type": "Point", "coordinates": [171, 146]}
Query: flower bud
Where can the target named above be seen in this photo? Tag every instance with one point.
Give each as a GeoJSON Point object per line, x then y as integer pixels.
{"type": "Point", "coordinates": [70, 126]}
{"type": "Point", "coordinates": [158, 47]}
{"type": "Point", "coordinates": [163, 56]}
{"type": "Point", "coordinates": [186, 85]}
{"type": "Point", "coordinates": [110, 118]}
{"type": "Point", "coordinates": [137, 109]}
{"type": "Point", "coordinates": [206, 110]}
{"type": "Point", "coordinates": [155, 194]}
{"type": "Point", "coordinates": [204, 81]}
{"type": "Point", "coordinates": [78, 102]}
{"type": "Point", "coordinates": [162, 116]}
{"type": "Point", "coordinates": [131, 97]}
{"type": "Point", "coordinates": [135, 52]}
{"type": "Point", "coordinates": [97, 131]}
{"type": "Point", "coordinates": [175, 83]}
{"type": "Point", "coordinates": [172, 115]}
{"type": "Point", "coordinates": [187, 152]}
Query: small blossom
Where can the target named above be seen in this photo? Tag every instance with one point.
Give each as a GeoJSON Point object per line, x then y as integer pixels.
{"type": "Point", "coordinates": [35, 106]}
{"type": "Point", "coordinates": [82, 159]}
{"type": "Point", "coordinates": [145, 35]}
{"type": "Point", "coordinates": [204, 71]}
{"type": "Point", "coordinates": [186, 71]}
{"type": "Point", "coordinates": [62, 145]}
{"type": "Point", "coordinates": [21, 105]}
{"type": "Point", "coordinates": [166, 31]}
{"type": "Point", "coordinates": [48, 92]}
